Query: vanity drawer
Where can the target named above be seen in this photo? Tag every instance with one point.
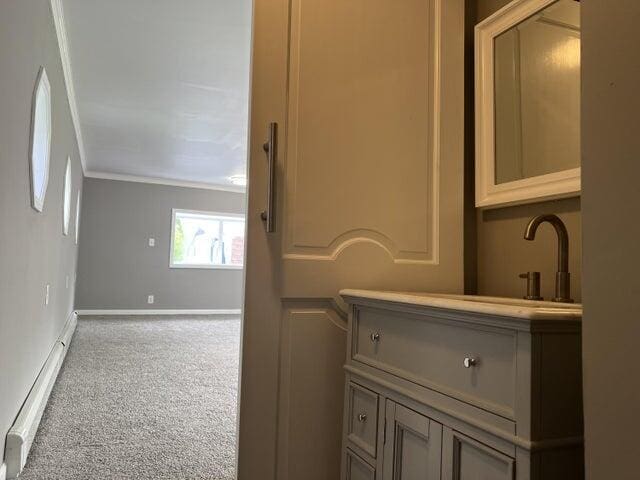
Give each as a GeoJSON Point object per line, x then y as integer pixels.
{"type": "Point", "coordinates": [363, 418]}
{"type": "Point", "coordinates": [475, 364]}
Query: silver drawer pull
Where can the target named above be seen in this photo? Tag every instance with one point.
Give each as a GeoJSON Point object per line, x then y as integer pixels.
{"type": "Point", "coordinates": [469, 362]}
{"type": "Point", "coordinates": [375, 337]}
{"type": "Point", "coordinates": [362, 417]}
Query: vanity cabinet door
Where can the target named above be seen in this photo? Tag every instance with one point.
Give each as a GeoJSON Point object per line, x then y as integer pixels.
{"type": "Point", "coordinates": [413, 445]}
{"type": "Point", "coordinates": [358, 469]}
{"type": "Point", "coordinates": [464, 458]}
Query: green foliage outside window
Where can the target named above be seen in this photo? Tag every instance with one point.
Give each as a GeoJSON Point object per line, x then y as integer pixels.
{"type": "Point", "coordinates": [178, 242]}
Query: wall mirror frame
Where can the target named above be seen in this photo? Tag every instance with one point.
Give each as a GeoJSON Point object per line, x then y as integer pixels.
{"type": "Point", "coordinates": [40, 141]}
{"type": "Point", "coordinates": [66, 200]}
{"type": "Point", "coordinates": [77, 225]}
{"type": "Point", "coordinates": [527, 189]}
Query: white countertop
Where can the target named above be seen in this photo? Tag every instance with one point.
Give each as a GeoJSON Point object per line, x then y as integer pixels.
{"type": "Point", "coordinates": [504, 307]}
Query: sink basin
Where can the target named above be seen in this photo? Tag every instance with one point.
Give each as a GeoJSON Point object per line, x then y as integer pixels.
{"type": "Point", "coordinates": [509, 307]}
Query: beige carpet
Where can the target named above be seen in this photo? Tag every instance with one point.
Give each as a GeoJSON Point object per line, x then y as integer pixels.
{"type": "Point", "coordinates": [142, 399]}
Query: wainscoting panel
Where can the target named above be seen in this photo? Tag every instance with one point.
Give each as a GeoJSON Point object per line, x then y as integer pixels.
{"type": "Point", "coordinates": [311, 392]}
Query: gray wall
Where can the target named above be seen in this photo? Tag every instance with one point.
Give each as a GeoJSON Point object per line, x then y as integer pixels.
{"type": "Point", "coordinates": [118, 270]}
{"type": "Point", "coordinates": [502, 253]}
{"type": "Point", "coordinates": [34, 252]}
{"type": "Point", "coordinates": [611, 209]}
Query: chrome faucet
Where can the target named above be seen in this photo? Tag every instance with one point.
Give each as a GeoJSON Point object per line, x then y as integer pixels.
{"type": "Point", "coordinates": [563, 280]}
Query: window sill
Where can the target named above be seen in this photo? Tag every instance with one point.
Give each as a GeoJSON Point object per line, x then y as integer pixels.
{"type": "Point", "coordinates": [208, 267]}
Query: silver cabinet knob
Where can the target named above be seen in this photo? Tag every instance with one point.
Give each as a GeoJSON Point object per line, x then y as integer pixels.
{"type": "Point", "coordinates": [375, 337]}
{"type": "Point", "coordinates": [362, 417]}
{"type": "Point", "coordinates": [469, 362]}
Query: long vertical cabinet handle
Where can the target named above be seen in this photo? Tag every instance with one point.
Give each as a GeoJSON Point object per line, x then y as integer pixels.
{"type": "Point", "coordinates": [271, 149]}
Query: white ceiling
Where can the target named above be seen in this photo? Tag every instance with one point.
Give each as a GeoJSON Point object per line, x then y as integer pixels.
{"type": "Point", "coordinates": [162, 86]}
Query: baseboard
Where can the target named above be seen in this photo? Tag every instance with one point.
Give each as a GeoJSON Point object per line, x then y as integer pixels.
{"type": "Point", "coordinates": [23, 431]}
{"type": "Point", "coordinates": [236, 311]}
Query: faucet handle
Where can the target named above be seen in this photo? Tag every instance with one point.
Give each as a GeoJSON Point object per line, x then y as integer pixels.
{"type": "Point", "coordinates": [533, 285]}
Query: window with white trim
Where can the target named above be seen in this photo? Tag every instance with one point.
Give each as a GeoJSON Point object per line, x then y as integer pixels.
{"type": "Point", "coordinates": [206, 239]}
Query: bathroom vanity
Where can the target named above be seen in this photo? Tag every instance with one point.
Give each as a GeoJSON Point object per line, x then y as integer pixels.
{"type": "Point", "coordinates": [461, 387]}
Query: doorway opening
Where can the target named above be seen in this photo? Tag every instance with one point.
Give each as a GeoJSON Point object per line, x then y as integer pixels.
{"type": "Point", "coordinates": [158, 96]}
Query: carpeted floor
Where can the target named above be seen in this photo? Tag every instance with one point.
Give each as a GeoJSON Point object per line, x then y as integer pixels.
{"type": "Point", "coordinates": [142, 399]}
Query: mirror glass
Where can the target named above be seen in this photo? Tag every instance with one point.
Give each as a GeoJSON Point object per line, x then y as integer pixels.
{"type": "Point", "coordinates": [537, 94]}
{"type": "Point", "coordinates": [77, 218]}
{"type": "Point", "coordinates": [40, 140]}
{"type": "Point", "coordinates": [66, 203]}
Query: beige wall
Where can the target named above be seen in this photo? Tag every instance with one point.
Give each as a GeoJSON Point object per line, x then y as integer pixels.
{"type": "Point", "coordinates": [484, 8]}
{"type": "Point", "coordinates": [611, 208]}
{"type": "Point", "coordinates": [502, 253]}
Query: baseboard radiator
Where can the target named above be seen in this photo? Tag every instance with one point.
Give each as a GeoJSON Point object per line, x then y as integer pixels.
{"type": "Point", "coordinates": [23, 431]}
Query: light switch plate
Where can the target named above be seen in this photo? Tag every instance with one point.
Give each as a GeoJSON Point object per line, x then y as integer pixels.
{"type": "Point", "coordinates": [152, 242]}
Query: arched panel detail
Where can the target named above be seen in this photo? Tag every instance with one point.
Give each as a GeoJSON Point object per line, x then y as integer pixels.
{"type": "Point", "coordinates": [358, 103]}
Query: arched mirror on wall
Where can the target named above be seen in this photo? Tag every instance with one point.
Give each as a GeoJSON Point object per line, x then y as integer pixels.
{"type": "Point", "coordinates": [66, 204]}
{"type": "Point", "coordinates": [40, 147]}
{"type": "Point", "coordinates": [77, 218]}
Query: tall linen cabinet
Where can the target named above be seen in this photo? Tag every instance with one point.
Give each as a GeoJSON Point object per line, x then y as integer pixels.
{"type": "Point", "coordinates": [361, 103]}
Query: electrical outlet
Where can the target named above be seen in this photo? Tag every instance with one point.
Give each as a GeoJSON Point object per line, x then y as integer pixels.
{"type": "Point", "coordinates": [152, 242]}
{"type": "Point", "coordinates": [150, 299]}
{"type": "Point", "coordinates": [46, 294]}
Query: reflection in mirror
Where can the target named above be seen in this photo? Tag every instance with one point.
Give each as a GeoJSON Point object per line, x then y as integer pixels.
{"type": "Point", "coordinates": [537, 94]}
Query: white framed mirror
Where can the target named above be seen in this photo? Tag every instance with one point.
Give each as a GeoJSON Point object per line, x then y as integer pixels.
{"type": "Point", "coordinates": [40, 141]}
{"type": "Point", "coordinates": [528, 103]}
{"type": "Point", "coordinates": [66, 202]}
{"type": "Point", "coordinates": [78, 218]}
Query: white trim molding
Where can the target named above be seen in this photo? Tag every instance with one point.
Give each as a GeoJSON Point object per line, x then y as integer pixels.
{"type": "Point", "coordinates": [3, 472]}
{"type": "Point", "coordinates": [164, 181]}
{"type": "Point", "coordinates": [22, 432]}
{"type": "Point", "coordinates": [65, 57]}
{"type": "Point", "coordinates": [184, 312]}
{"type": "Point", "coordinates": [543, 187]}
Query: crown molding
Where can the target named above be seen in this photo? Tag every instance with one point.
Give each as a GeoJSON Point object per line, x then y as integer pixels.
{"type": "Point", "coordinates": [63, 46]}
{"type": "Point", "coordinates": [163, 181]}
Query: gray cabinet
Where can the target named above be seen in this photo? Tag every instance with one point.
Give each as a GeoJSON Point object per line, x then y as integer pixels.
{"type": "Point", "coordinates": [443, 394]}
{"type": "Point", "coordinates": [413, 445]}
{"type": "Point", "coordinates": [464, 458]}
{"type": "Point", "coordinates": [357, 468]}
